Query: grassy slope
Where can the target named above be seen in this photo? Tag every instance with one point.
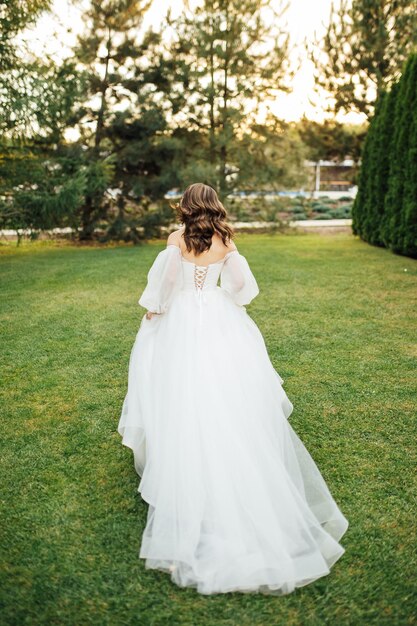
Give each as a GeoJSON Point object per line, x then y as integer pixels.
{"type": "Point", "coordinates": [336, 315]}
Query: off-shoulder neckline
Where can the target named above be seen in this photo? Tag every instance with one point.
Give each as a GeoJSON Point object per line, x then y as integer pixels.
{"type": "Point", "coordinates": [173, 245]}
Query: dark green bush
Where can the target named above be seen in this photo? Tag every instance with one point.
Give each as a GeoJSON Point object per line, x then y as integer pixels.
{"type": "Point", "coordinates": [321, 208]}
{"type": "Point", "coordinates": [324, 216]}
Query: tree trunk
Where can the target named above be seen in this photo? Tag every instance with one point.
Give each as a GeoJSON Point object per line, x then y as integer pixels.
{"type": "Point", "coordinates": [212, 149]}
{"type": "Point", "coordinates": [223, 148]}
{"type": "Point", "coordinates": [88, 219]}
{"type": "Point", "coordinates": [100, 118]}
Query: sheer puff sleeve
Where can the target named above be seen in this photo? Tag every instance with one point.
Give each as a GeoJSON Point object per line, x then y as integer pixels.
{"type": "Point", "coordinates": [237, 279]}
{"type": "Point", "coordinates": [164, 281]}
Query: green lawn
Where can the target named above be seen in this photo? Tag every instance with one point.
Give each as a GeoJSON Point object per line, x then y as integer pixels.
{"type": "Point", "coordinates": [337, 317]}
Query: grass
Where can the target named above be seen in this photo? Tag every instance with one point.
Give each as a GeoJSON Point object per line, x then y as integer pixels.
{"type": "Point", "coordinates": [337, 317]}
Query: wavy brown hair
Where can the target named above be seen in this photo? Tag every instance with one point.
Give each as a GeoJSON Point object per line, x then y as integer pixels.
{"type": "Point", "coordinates": [203, 215]}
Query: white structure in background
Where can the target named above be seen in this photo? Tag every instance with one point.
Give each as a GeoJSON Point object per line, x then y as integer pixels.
{"type": "Point", "coordinates": [343, 187]}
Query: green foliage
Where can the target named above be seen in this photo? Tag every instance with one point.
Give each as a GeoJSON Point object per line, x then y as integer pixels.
{"type": "Point", "coordinates": [36, 94]}
{"type": "Point", "coordinates": [340, 214]}
{"type": "Point", "coordinates": [41, 185]}
{"type": "Point", "coordinates": [363, 51]}
{"type": "Point", "coordinates": [14, 18]}
{"type": "Point", "coordinates": [331, 140]}
{"type": "Point", "coordinates": [321, 208]}
{"type": "Point", "coordinates": [230, 56]}
{"type": "Point", "coordinates": [270, 156]}
{"type": "Point", "coordinates": [284, 208]}
{"type": "Point", "coordinates": [409, 226]}
{"type": "Point", "coordinates": [378, 168]}
{"type": "Point", "coordinates": [37, 193]}
{"type": "Point", "coordinates": [365, 206]}
{"type": "Point", "coordinates": [385, 209]}
{"type": "Point", "coordinates": [400, 217]}
{"type": "Point", "coordinates": [136, 222]}
{"type": "Point", "coordinates": [119, 67]}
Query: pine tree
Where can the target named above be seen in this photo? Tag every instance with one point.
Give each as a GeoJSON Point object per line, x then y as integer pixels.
{"type": "Point", "coordinates": [21, 73]}
{"type": "Point", "coordinates": [332, 140]}
{"type": "Point", "coordinates": [363, 51]}
{"type": "Point", "coordinates": [40, 188]}
{"type": "Point", "coordinates": [41, 182]}
{"type": "Point", "coordinates": [123, 116]}
{"type": "Point", "coordinates": [230, 58]}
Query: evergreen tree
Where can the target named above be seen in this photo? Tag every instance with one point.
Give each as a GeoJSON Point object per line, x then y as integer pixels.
{"type": "Point", "coordinates": [271, 156]}
{"type": "Point", "coordinates": [38, 190]}
{"type": "Point", "coordinates": [40, 185]}
{"type": "Point", "coordinates": [368, 212]}
{"type": "Point", "coordinates": [332, 140]}
{"type": "Point", "coordinates": [365, 211]}
{"type": "Point", "coordinates": [231, 55]}
{"type": "Point", "coordinates": [24, 78]}
{"type": "Point", "coordinates": [361, 203]}
{"type": "Point", "coordinates": [409, 236]}
{"type": "Point", "coordinates": [385, 209]}
{"type": "Point", "coordinates": [363, 51]}
{"type": "Point", "coordinates": [123, 117]}
{"type": "Point", "coordinates": [378, 171]}
{"type": "Point", "coordinates": [399, 225]}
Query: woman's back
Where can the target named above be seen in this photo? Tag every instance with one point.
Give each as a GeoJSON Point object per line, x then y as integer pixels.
{"type": "Point", "coordinates": [217, 252]}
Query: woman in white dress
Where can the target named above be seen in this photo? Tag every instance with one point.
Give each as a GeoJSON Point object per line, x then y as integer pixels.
{"type": "Point", "coordinates": [236, 503]}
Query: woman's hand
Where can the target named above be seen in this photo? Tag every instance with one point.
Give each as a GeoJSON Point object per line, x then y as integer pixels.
{"type": "Point", "coordinates": [149, 314]}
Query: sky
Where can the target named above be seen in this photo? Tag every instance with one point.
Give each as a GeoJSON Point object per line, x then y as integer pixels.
{"type": "Point", "coordinates": [306, 19]}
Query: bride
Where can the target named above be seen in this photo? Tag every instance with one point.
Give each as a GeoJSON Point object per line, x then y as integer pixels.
{"type": "Point", "coordinates": [236, 503]}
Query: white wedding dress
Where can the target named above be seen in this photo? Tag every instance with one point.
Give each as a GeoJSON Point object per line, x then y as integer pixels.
{"type": "Point", "coordinates": [236, 503]}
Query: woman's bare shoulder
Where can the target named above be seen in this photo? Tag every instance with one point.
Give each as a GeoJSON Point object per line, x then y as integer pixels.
{"type": "Point", "coordinates": [231, 246]}
{"type": "Point", "coordinates": [226, 247]}
{"type": "Point", "coordinates": [174, 237]}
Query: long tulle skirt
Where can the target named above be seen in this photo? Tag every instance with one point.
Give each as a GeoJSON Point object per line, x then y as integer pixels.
{"type": "Point", "coordinates": [236, 502]}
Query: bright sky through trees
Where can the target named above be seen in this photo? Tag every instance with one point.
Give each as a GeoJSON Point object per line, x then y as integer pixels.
{"type": "Point", "coordinates": [303, 17]}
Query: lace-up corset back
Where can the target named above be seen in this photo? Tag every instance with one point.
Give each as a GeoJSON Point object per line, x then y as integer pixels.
{"type": "Point", "coordinates": [200, 277]}
{"type": "Point", "coordinates": [200, 274]}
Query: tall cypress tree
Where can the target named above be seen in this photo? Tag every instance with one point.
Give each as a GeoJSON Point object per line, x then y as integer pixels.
{"type": "Point", "coordinates": [357, 208]}
{"type": "Point", "coordinates": [360, 209]}
{"type": "Point", "coordinates": [397, 220]}
{"type": "Point", "coordinates": [409, 222]}
{"type": "Point", "coordinates": [385, 208]}
{"type": "Point", "coordinates": [385, 132]}
{"type": "Point", "coordinates": [362, 218]}
{"type": "Point", "coordinates": [369, 227]}
{"type": "Point", "coordinates": [376, 168]}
